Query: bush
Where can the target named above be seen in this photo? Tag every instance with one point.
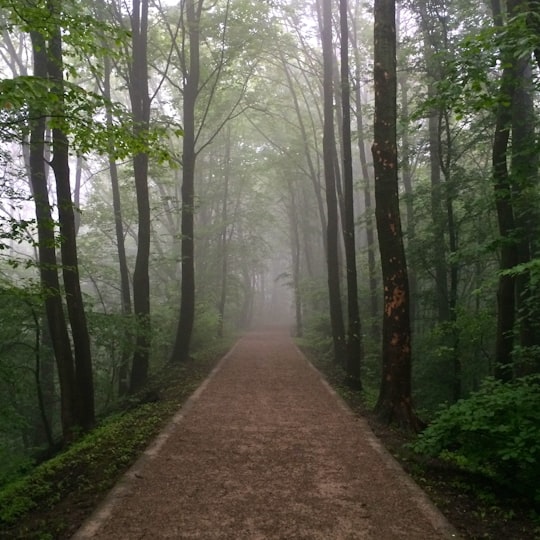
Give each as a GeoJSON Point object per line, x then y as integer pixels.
{"type": "Point", "coordinates": [495, 432]}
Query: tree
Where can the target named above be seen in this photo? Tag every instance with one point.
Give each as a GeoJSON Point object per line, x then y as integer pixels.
{"type": "Point", "coordinates": [354, 339]}
{"type": "Point", "coordinates": [515, 196]}
{"type": "Point", "coordinates": [395, 401]}
{"type": "Point", "coordinates": [186, 319]}
{"type": "Point", "coordinates": [332, 226]}
{"type": "Point", "coordinates": [48, 267]}
{"type": "Point", "coordinates": [140, 105]}
{"type": "Point", "coordinates": [66, 218]}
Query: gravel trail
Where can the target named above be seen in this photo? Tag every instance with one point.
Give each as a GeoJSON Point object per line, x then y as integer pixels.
{"type": "Point", "coordinates": [265, 450]}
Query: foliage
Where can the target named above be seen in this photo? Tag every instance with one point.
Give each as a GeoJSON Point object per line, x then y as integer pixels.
{"type": "Point", "coordinates": [495, 432]}
{"type": "Point", "coordinates": [35, 505]}
{"type": "Point", "coordinates": [112, 446]}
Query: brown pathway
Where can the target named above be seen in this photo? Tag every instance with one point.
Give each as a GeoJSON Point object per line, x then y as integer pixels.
{"type": "Point", "coordinates": [265, 450]}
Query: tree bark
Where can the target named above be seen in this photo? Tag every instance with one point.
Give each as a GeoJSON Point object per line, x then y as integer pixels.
{"type": "Point", "coordinates": [354, 339]}
{"type": "Point", "coordinates": [48, 266]}
{"type": "Point", "coordinates": [224, 230]}
{"type": "Point", "coordinates": [332, 255]}
{"type": "Point", "coordinates": [187, 302]}
{"type": "Point", "coordinates": [125, 294]}
{"type": "Point", "coordinates": [395, 401]}
{"type": "Point", "coordinates": [366, 177]}
{"type": "Point", "coordinates": [66, 217]}
{"type": "Point", "coordinates": [140, 105]}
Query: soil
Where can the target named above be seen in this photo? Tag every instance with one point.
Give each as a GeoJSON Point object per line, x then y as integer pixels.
{"type": "Point", "coordinates": [265, 449]}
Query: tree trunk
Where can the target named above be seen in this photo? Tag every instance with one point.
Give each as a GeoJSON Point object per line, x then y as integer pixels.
{"type": "Point", "coordinates": [354, 340]}
{"type": "Point", "coordinates": [507, 192]}
{"type": "Point", "coordinates": [332, 229]}
{"type": "Point", "coordinates": [504, 342]}
{"type": "Point", "coordinates": [66, 217]}
{"type": "Point", "coordinates": [407, 176]}
{"type": "Point", "coordinates": [125, 294]}
{"type": "Point", "coordinates": [395, 401]}
{"type": "Point", "coordinates": [366, 177]}
{"type": "Point", "coordinates": [527, 221]}
{"type": "Point", "coordinates": [191, 89]}
{"type": "Point", "coordinates": [48, 267]}
{"type": "Point", "coordinates": [224, 230]}
{"type": "Point", "coordinates": [140, 105]}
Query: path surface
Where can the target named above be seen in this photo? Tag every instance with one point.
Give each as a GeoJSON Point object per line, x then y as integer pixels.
{"type": "Point", "coordinates": [265, 450]}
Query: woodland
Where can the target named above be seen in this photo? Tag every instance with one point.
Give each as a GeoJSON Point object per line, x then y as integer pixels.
{"type": "Point", "coordinates": [174, 173]}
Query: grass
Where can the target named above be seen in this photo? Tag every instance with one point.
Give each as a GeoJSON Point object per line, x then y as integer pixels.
{"type": "Point", "coordinates": [53, 500]}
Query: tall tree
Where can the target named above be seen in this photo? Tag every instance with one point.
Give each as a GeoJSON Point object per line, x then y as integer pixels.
{"type": "Point", "coordinates": [48, 267]}
{"type": "Point", "coordinates": [354, 340]}
{"type": "Point", "coordinates": [514, 188]}
{"type": "Point", "coordinates": [366, 181]}
{"type": "Point", "coordinates": [140, 105]}
{"type": "Point", "coordinates": [224, 247]}
{"type": "Point", "coordinates": [329, 151]}
{"type": "Point", "coordinates": [184, 330]}
{"type": "Point", "coordinates": [395, 401]}
{"type": "Point", "coordinates": [66, 218]}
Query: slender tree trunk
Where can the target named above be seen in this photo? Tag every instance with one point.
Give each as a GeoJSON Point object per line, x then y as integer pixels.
{"type": "Point", "coordinates": [45, 384]}
{"type": "Point", "coordinates": [503, 189]}
{"type": "Point", "coordinates": [332, 255]}
{"type": "Point", "coordinates": [366, 176]}
{"type": "Point", "coordinates": [504, 343]}
{"type": "Point", "coordinates": [395, 400]}
{"type": "Point", "coordinates": [140, 105]}
{"type": "Point", "coordinates": [224, 232]}
{"type": "Point", "coordinates": [527, 220]}
{"type": "Point", "coordinates": [191, 89]}
{"type": "Point", "coordinates": [292, 210]}
{"type": "Point", "coordinates": [125, 294]}
{"type": "Point", "coordinates": [408, 186]}
{"type": "Point", "coordinates": [77, 194]}
{"type": "Point", "coordinates": [354, 340]}
{"type": "Point", "coordinates": [48, 267]}
{"type": "Point", "coordinates": [66, 217]}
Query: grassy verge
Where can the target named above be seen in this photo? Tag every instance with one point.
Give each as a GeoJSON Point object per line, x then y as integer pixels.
{"type": "Point", "coordinates": [476, 507]}
{"type": "Point", "coordinates": [53, 500]}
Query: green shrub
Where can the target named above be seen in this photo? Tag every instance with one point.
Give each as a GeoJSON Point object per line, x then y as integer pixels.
{"type": "Point", "coordinates": [495, 432]}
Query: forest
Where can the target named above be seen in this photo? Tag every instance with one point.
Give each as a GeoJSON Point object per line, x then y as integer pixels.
{"type": "Point", "coordinates": [175, 173]}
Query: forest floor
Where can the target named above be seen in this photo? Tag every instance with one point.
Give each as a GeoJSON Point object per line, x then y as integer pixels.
{"type": "Point", "coordinates": [263, 447]}
{"type": "Point", "coordinates": [266, 449]}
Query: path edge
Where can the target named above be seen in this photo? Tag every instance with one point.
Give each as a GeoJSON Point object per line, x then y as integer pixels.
{"type": "Point", "coordinates": [420, 497]}
{"type": "Point", "coordinates": [103, 510]}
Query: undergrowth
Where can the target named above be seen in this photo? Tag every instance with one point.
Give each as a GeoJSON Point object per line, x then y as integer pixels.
{"type": "Point", "coordinates": [52, 500]}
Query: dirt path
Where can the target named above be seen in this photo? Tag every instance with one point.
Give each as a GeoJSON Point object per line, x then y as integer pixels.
{"type": "Point", "coordinates": [265, 450]}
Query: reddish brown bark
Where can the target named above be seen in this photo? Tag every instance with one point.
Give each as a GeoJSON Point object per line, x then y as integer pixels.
{"type": "Point", "coordinates": [395, 402]}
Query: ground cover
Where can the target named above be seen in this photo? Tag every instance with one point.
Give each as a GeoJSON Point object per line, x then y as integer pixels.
{"type": "Point", "coordinates": [53, 500]}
